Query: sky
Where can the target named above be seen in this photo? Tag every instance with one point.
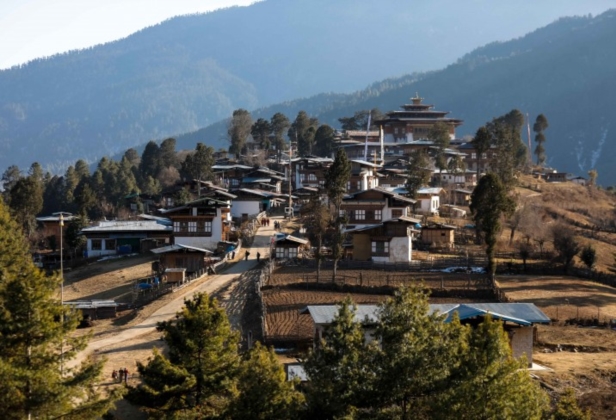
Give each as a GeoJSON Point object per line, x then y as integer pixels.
{"type": "Point", "coordinates": [39, 28]}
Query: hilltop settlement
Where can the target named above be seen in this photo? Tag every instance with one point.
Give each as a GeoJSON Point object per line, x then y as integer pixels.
{"type": "Point", "coordinates": [398, 270]}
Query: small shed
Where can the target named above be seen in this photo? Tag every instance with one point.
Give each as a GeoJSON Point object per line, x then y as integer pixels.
{"type": "Point", "coordinates": [289, 246]}
{"type": "Point", "coordinates": [95, 309]}
{"type": "Point", "coordinates": [439, 235]}
{"type": "Point", "coordinates": [175, 275]}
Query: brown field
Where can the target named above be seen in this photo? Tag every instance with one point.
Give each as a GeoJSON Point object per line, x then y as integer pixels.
{"type": "Point", "coordinates": [376, 278]}
{"type": "Point", "coordinates": [563, 298]}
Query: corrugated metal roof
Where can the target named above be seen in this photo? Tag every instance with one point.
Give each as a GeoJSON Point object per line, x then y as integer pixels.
{"type": "Point", "coordinates": [128, 226]}
{"type": "Point", "coordinates": [177, 247]}
{"type": "Point", "coordinates": [519, 313]}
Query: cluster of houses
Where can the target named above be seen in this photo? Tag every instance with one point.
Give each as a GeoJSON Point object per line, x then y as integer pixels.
{"type": "Point", "coordinates": [383, 220]}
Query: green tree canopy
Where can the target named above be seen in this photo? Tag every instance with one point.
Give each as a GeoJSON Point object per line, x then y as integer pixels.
{"type": "Point", "coordinates": [489, 203]}
{"type": "Point", "coordinates": [419, 172]}
{"type": "Point", "coordinates": [238, 131]}
{"type": "Point", "coordinates": [198, 376]}
{"type": "Point", "coordinates": [36, 342]}
{"type": "Point", "coordinates": [324, 141]}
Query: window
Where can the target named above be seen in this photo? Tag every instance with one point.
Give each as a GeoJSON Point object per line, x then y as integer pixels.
{"type": "Point", "coordinates": [341, 213]}
{"type": "Point", "coordinates": [312, 177]}
{"type": "Point", "coordinates": [396, 130]}
{"type": "Point", "coordinates": [322, 183]}
{"type": "Point", "coordinates": [360, 214]}
{"type": "Point", "coordinates": [380, 248]}
{"type": "Point", "coordinates": [396, 213]}
{"type": "Point", "coordinates": [473, 155]}
{"type": "Point", "coordinates": [110, 244]}
{"type": "Point", "coordinates": [176, 226]}
{"type": "Point", "coordinates": [97, 244]}
{"type": "Point", "coordinates": [302, 177]}
{"type": "Point", "coordinates": [192, 227]}
{"type": "Point", "coordinates": [484, 156]}
{"type": "Point", "coordinates": [286, 252]}
{"type": "Point", "coordinates": [348, 185]}
{"type": "Point", "coordinates": [235, 182]}
{"type": "Point", "coordinates": [378, 214]}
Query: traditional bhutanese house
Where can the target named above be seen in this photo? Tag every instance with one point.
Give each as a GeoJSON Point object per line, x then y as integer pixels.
{"type": "Point", "coordinates": [289, 247]}
{"type": "Point", "coordinates": [264, 179]}
{"type": "Point", "coordinates": [126, 237]}
{"type": "Point", "coordinates": [310, 171]}
{"type": "Point", "coordinates": [556, 176]}
{"type": "Point", "coordinates": [51, 226]}
{"type": "Point", "coordinates": [461, 197]}
{"type": "Point", "coordinates": [177, 260]}
{"type": "Point", "coordinates": [390, 241]}
{"type": "Point", "coordinates": [476, 162]}
{"type": "Point", "coordinates": [519, 320]}
{"type": "Point", "coordinates": [230, 175]}
{"type": "Point", "coordinates": [250, 202]}
{"type": "Point", "coordinates": [375, 205]}
{"type": "Point", "coordinates": [429, 200]}
{"type": "Point", "coordinates": [200, 223]}
{"type": "Point", "coordinates": [579, 180]}
{"type": "Point", "coordinates": [438, 235]}
{"type": "Point", "coordinates": [363, 176]}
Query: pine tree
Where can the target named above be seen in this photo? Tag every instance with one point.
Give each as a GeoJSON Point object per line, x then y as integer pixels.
{"type": "Point", "coordinates": [263, 390]}
{"type": "Point", "coordinates": [540, 125]}
{"type": "Point", "coordinates": [338, 369]}
{"type": "Point", "coordinates": [238, 131]}
{"type": "Point", "coordinates": [199, 164]}
{"type": "Point", "coordinates": [336, 181]}
{"type": "Point", "coordinates": [489, 203]}
{"type": "Point", "coordinates": [418, 172]}
{"type": "Point", "coordinates": [198, 376]}
{"type": "Point", "coordinates": [567, 408]}
{"type": "Point", "coordinates": [36, 342]}
{"type": "Point", "coordinates": [489, 383]}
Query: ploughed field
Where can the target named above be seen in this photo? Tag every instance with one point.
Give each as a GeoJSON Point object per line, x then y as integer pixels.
{"type": "Point", "coordinates": [291, 289]}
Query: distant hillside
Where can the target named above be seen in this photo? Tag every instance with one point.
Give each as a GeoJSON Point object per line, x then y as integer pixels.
{"type": "Point", "coordinates": [565, 71]}
{"type": "Point", "coordinates": [191, 71]}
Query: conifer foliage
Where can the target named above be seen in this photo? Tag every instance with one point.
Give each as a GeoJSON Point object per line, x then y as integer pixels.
{"type": "Point", "coordinates": [36, 377]}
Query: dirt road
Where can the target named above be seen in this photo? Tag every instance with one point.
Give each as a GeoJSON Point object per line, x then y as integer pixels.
{"type": "Point", "coordinates": [143, 336]}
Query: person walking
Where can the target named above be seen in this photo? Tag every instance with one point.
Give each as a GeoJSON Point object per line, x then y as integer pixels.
{"type": "Point", "coordinates": [125, 376]}
{"type": "Point", "coordinates": [114, 375]}
{"type": "Point", "coordinates": [247, 255]}
{"type": "Point", "coordinates": [258, 256]}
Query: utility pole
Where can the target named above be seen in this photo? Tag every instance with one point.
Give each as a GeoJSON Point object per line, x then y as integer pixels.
{"type": "Point", "coordinates": [62, 292]}
{"type": "Point", "coordinates": [290, 171]}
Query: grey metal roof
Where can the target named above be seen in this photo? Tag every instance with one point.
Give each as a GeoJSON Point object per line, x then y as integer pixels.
{"type": "Point", "coordinates": [519, 313]}
{"type": "Point", "coordinates": [128, 226]}
{"type": "Point", "coordinates": [177, 247]}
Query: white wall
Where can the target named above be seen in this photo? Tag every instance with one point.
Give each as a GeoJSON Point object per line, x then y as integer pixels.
{"type": "Point", "coordinates": [250, 208]}
{"type": "Point", "coordinates": [100, 253]}
{"type": "Point", "coordinates": [400, 249]}
{"type": "Point", "coordinates": [522, 342]}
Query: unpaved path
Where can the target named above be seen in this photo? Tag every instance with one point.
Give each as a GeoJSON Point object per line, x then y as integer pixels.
{"type": "Point", "coordinates": [143, 336]}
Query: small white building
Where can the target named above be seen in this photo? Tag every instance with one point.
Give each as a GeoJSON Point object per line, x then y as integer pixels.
{"type": "Point", "coordinates": [429, 200]}
{"type": "Point", "coordinates": [125, 237]}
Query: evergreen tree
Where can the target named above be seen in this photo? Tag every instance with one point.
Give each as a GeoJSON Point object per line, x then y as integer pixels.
{"type": "Point", "coordinates": [302, 131]}
{"type": "Point", "coordinates": [339, 368]}
{"type": "Point", "coordinates": [488, 383]}
{"type": "Point", "coordinates": [263, 390]}
{"type": "Point", "coordinates": [440, 134]}
{"type": "Point", "coordinates": [359, 120]}
{"type": "Point", "coordinates": [336, 181]}
{"type": "Point", "coordinates": [9, 179]}
{"type": "Point", "coordinates": [316, 218]}
{"type": "Point", "coordinates": [167, 153]}
{"type": "Point", "coordinates": [261, 131]}
{"type": "Point", "coordinates": [565, 244]}
{"type": "Point", "coordinates": [489, 203]}
{"type": "Point", "coordinates": [324, 141]}
{"type": "Point", "coordinates": [198, 376]}
{"type": "Point", "coordinates": [199, 164]}
{"type": "Point", "coordinates": [280, 125]}
{"type": "Point", "coordinates": [482, 142]}
{"type": "Point", "coordinates": [567, 408]}
{"type": "Point", "coordinates": [588, 255]}
{"type": "Point", "coordinates": [150, 164]}
{"type": "Point", "coordinates": [238, 131]}
{"type": "Point", "coordinates": [511, 155]}
{"type": "Point", "coordinates": [82, 169]}
{"type": "Point", "coordinates": [36, 341]}
{"type": "Point", "coordinates": [540, 125]}
{"type": "Point", "coordinates": [26, 201]}
{"type": "Point", "coordinates": [417, 355]}
{"type": "Point", "coordinates": [419, 172]}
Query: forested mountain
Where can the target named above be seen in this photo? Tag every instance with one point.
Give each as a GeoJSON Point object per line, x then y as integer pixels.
{"type": "Point", "coordinates": [564, 70]}
{"type": "Point", "coordinates": [191, 71]}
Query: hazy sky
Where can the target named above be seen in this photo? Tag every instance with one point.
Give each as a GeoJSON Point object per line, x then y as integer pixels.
{"type": "Point", "coordinates": [39, 28]}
